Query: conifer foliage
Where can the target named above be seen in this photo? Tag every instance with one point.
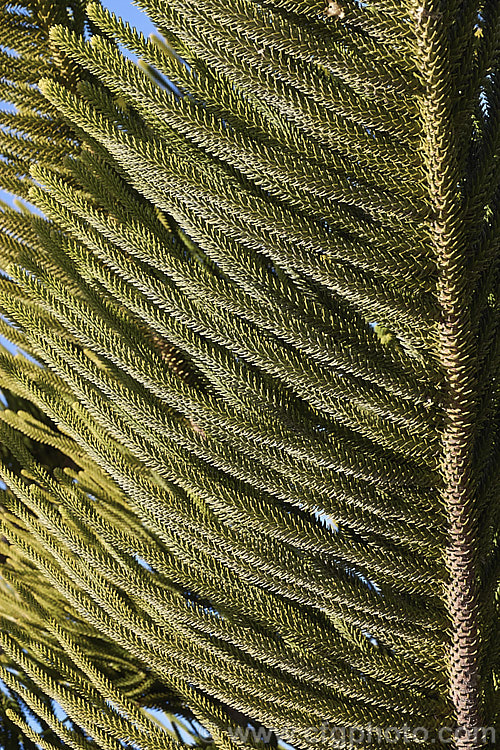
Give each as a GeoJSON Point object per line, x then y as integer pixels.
{"type": "Point", "coordinates": [251, 443]}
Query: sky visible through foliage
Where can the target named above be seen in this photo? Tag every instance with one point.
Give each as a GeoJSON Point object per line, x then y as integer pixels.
{"type": "Point", "coordinates": [136, 18]}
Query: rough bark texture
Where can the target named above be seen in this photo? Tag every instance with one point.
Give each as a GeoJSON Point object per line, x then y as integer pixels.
{"type": "Point", "coordinates": [443, 135]}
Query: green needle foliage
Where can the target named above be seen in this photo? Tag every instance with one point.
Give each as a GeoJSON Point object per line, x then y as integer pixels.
{"type": "Point", "coordinates": [251, 439]}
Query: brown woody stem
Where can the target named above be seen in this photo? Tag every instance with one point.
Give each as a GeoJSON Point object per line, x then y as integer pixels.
{"type": "Point", "coordinates": [457, 354]}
